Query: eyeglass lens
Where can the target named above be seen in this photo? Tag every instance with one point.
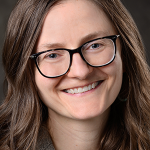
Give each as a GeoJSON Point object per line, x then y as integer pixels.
{"type": "Point", "coordinates": [56, 62]}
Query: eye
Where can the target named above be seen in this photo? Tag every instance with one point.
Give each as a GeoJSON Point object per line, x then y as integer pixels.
{"type": "Point", "coordinates": [96, 45]}
{"type": "Point", "coordinates": [53, 55]}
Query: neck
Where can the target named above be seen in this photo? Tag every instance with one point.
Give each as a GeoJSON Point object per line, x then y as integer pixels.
{"type": "Point", "coordinates": [76, 134]}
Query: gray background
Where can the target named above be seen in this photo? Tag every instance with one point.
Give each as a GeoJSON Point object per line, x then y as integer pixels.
{"type": "Point", "coordinates": [139, 9]}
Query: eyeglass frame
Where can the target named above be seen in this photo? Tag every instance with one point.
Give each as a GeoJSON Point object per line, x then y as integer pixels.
{"type": "Point", "coordinates": [77, 50]}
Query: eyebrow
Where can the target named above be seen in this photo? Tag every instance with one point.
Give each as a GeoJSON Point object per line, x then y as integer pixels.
{"type": "Point", "coordinates": [47, 46]}
{"type": "Point", "coordinates": [83, 40]}
{"type": "Point", "coordinates": [93, 35]}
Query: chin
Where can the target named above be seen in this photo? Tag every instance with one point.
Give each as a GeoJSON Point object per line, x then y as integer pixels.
{"type": "Point", "coordinates": [85, 114]}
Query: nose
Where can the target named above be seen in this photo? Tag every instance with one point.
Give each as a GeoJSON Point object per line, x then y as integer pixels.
{"type": "Point", "coordinates": [79, 68]}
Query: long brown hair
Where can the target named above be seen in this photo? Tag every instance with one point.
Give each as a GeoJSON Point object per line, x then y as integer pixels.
{"type": "Point", "coordinates": [22, 112]}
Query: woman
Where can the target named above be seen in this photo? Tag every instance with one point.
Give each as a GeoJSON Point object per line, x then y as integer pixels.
{"type": "Point", "coordinates": [76, 78]}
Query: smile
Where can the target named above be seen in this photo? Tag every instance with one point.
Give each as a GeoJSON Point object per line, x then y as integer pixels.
{"type": "Point", "coordinates": [83, 89]}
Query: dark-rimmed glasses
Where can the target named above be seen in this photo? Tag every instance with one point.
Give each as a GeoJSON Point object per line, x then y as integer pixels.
{"type": "Point", "coordinates": [57, 62]}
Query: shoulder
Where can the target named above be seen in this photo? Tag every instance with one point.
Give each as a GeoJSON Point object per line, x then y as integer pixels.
{"type": "Point", "coordinates": [44, 141]}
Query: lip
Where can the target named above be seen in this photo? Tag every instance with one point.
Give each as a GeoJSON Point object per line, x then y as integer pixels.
{"type": "Point", "coordinates": [98, 83]}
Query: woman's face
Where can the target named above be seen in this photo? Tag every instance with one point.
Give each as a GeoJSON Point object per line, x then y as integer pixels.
{"type": "Point", "coordinates": [69, 25]}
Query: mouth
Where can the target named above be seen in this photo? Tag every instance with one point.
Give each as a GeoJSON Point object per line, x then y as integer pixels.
{"type": "Point", "coordinates": [83, 89]}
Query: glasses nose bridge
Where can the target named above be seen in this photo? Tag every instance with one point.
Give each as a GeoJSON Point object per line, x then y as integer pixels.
{"type": "Point", "coordinates": [77, 50]}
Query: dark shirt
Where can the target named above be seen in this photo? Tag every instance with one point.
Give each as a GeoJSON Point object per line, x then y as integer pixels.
{"type": "Point", "coordinates": [44, 141]}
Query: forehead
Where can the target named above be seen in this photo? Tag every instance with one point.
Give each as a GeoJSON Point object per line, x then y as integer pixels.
{"type": "Point", "coordinates": [71, 20]}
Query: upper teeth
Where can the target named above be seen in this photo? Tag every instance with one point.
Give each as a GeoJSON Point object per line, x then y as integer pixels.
{"type": "Point", "coordinates": [84, 89]}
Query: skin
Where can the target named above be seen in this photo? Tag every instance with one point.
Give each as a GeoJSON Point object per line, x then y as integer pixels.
{"type": "Point", "coordinates": [77, 120]}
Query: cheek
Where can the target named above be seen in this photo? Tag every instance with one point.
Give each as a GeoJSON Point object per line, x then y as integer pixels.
{"type": "Point", "coordinates": [43, 82]}
{"type": "Point", "coordinates": [40, 81]}
{"type": "Point", "coordinates": [46, 86]}
{"type": "Point", "coordinates": [114, 72]}
{"type": "Point", "coordinates": [48, 92]}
